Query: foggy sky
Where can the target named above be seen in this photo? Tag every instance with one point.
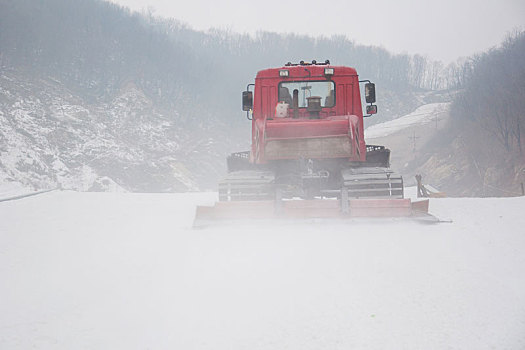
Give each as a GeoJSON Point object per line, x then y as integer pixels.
{"type": "Point", "coordinates": [441, 29]}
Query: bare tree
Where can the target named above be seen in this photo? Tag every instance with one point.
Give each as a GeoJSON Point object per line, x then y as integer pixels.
{"type": "Point", "coordinates": [494, 90]}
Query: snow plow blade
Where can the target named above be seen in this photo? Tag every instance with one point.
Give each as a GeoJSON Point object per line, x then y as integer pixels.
{"type": "Point", "coordinates": [239, 211]}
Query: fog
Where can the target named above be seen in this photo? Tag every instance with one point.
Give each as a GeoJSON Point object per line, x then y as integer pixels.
{"type": "Point", "coordinates": [443, 30]}
{"type": "Point", "coordinates": [98, 104]}
{"type": "Point", "coordinates": [109, 99]}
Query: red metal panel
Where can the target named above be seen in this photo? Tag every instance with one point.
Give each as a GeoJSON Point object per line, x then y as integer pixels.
{"type": "Point", "coordinates": [421, 206]}
{"type": "Point", "coordinates": [295, 209]}
{"type": "Point", "coordinates": [265, 102]}
{"type": "Point", "coordinates": [305, 128]}
{"type": "Point", "coordinates": [340, 99]}
{"type": "Point", "coordinates": [310, 209]}
{"type": "Point", "coordinates": [349, 99]}
{"type": "Point", "coordinates": [273, 101]}
{"type": "Point", "coordinates": [347, 102]}
{"type": "Point", "coordinates": [309, 148]}
{"type": "Point", "coordinates": [237, 210]}
{"type": "Point", "coordinates": [298, 72]}
{"type": "Point", "coordinates": [258, 138]}
{"type": "Point", "coordinates": [358, 111]}
{"type": "Point", "coordinates": [380, 207]}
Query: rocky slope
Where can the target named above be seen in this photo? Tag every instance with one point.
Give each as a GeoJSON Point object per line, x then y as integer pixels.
{"type": "Point", "coordinates": [49, 137]}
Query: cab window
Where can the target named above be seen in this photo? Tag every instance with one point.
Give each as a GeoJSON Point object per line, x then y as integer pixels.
{"type": "Point", "coordinates": [295, 93]}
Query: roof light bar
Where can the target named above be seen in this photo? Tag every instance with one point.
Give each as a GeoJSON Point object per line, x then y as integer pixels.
{"type": "Point", "coordinates": [303, 63]}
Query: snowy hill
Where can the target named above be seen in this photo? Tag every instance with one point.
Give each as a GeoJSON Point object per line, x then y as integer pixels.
{"type": "Point", "coordinates": [123, 270]}
{"type": "Point", "coordinates": [50, 138]}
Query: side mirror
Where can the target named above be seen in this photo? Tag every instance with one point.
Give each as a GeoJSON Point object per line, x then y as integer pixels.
{"type": "Point", "coordinates": [247, 101]}
{"type": "Point", "coordinates": [370, 92]}
{"type": "Point", "coordinates": [371, 109]}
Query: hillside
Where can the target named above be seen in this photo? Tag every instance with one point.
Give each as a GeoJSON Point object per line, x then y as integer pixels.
{"type": "Point", "coordinates": [52, 138]}
{"type": "Point", "coordinates": [484, 153]}
{"type": "Point", "coordinates": [476, 147]}
{"type": "Point", "coordinates": [429, 142]}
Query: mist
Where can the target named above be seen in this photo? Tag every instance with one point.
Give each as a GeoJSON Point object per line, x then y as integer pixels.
{"type": "Point", "coordinates": [442, 31]}
{"type": "Point", "coordinates": [115, 129]}
{"type": "Point", "coordinates": [159, 111]}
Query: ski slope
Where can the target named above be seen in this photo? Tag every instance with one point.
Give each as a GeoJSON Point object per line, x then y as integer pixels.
{"type": "Point", "coordinates": [421, 116]}
{"type": "Point", "coordinates": [126, 271]}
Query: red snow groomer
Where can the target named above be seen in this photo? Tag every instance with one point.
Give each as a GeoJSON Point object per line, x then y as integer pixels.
{"type": "Point", "coordinates": [308, 157]}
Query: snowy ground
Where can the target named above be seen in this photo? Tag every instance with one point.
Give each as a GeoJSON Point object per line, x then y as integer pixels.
{"type": "Point", "coordinates": [12, 189]}
{"type": "Point", "coordinates": [125, 271]}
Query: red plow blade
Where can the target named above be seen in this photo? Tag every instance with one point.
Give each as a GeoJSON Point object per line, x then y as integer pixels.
{"type": "Point", "coordinates": [310, 209]}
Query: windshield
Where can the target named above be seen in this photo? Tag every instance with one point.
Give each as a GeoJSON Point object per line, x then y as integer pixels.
{"type": "Point", "coordinates": [301, 90]}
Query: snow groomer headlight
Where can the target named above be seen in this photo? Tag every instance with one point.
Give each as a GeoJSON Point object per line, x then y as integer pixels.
{"type": "Point", "coordinates": [328, 72]}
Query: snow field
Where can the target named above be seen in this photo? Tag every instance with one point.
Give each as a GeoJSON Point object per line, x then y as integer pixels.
{"type": "Point", "coordinates": [121, 270]}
